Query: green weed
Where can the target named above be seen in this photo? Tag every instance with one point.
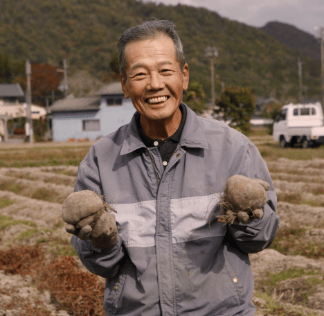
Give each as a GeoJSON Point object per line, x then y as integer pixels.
{"type": "Point", "coordinates": [293, 285]}
{"type": "Point", "coordinates": [27, 234]}
{"type": "Point", "coordinates": [42, 240]}
{"type": "Point", "coordinates": [8, 185]}
{"type": "Point", "coordinates": [290, 273]}
{"type": "Point", "coordinates": [274, 308]}
{"type": "Point", "coordinates": [272, 151]}
{"type": "Point", "coordinates": [61, 247]}
{"type": "Point", "coordinates": [318, 190]}
{"type": "Point", "coordinates": [4, 202]}
{"type": "Point", "coordinates": [59, 224]}
{"type": "Point", "coordinates": [42, 156]}
{"type": "Point", "coordinates": [45, 194]}
{"type": "Point", "coordinates": [7, 221]}
{"type": "Point", "coordinates": [65, 172]}
{"type": "Point", "coordinates": [291, 241]}
{"type": "Point", "coordinates": [295, 198]}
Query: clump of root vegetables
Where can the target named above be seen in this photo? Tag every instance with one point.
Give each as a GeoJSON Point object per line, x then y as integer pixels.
{"type": "Point", "coordinates": [77, 292]}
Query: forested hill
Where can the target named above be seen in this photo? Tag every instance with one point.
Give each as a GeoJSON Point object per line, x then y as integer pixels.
{"type": "Point", "coordinates": [294, 38]}
{"type": "Point", "coordinates": [86, 32]}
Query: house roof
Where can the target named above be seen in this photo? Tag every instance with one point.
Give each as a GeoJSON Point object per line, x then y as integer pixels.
{"type": "Point", "coordinates": [11, 90]}
{"type": "Point", "coordinates": [76, 104]}
{"type": "Point", "coordinates": [112, 88]}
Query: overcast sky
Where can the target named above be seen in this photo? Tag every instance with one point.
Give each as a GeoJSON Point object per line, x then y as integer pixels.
{"type": "Point", "coordinates": [304, 14]}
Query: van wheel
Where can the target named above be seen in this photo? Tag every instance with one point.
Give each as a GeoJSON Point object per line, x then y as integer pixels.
{"type": "Point", "coordinates": [283, 143]}
{"type": "Point", "coordinates": [305, 143]}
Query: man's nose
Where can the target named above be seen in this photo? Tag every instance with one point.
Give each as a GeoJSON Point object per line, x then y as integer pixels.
{"type": "Point", "coordinates": [156, 82]}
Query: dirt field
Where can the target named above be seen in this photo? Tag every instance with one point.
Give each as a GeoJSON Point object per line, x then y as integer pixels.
{"type": "Point", "coordinates": [289, 277]}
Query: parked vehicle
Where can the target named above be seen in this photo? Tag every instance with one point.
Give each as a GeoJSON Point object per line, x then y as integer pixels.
{"type": "Point", "coordinates": [299, 124]}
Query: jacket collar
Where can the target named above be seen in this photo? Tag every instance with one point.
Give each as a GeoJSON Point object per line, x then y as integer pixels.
{"type": "Point", "coordinates": [192, 135]}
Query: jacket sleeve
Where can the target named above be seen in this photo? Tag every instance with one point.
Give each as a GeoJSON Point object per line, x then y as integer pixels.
{"type": "Point", "coordinates": [258, 234]}
{"type": "Point", "coordinates": [103, 262]}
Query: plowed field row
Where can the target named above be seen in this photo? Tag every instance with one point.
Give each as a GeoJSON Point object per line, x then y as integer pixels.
{"type": "Point", "coordinates": [288, 276]}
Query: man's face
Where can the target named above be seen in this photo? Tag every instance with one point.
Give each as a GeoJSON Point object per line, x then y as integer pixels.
{"type": "Point", "coordinates": [154, 80]}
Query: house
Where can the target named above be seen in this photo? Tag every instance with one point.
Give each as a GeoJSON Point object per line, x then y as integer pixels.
{"type": "Point", "coordinates": [10, 111]}
{"type": "Point", "coordinates": [11, 107]}
{"type": "Point", "coordinates": [11, 93]}
{"type": "Point", "coordinates": [91, 117]}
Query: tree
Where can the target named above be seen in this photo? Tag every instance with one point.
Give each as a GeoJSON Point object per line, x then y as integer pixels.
{"type": "Point", "coordinates": [44, 79]}
{"type": "Point", "coordinates": [195, 97]}
{"type": "Point", "coordinates": [114, 63]}
{"type": "Point", "coordinates": [236, 106]}
{"type": "Point", "coordinates": [6, 75]}
{"type": "Point", "coordinates": [271, 111]}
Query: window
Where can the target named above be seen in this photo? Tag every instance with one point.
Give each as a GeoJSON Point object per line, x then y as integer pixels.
{"type": "Point", "coordinates": [114, 101]}
{"type": "Point", "coordinates": [283, 114]}
{"type": "Point", "coordinates": [91, 125]}
{"type": "Point", "coordinates": [110, 101]}
{"type": "Point", "coordinates": [295, 112]}
{"type": "Point", "coordinates": [304, 111]}
{"type": "Point", "coordinates": [313, 111]}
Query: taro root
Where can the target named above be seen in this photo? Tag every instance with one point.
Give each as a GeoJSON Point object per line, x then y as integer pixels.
{"type": "Point", "coordinates": [243, 200]}
{"type": "Point", "coordinates": [86, 216]}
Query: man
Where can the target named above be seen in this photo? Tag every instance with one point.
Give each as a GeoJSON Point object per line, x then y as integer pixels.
{"type": "Point", "coordinates": [165, 172]}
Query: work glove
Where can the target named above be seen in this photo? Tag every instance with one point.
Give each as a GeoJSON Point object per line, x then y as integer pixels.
{"type": "Point", "coordinates": [86, 217]}
{"type": "Point", "coordinates": [243, 200]}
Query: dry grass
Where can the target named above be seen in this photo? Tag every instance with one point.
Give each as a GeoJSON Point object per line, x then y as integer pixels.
{"type": "Point", "coordinates": [61, 277]}
{"type": "Point", "coordinates": [36, 176]}
{"type": "Point", "coordinates": [296, 198]}
{"type": "Point", "coordinates": [296, 177]}
{"type": "Point", "coordinates": [4, 202]}
{"type": "Point", "coordinates": [272, 151]}
{"type": "Point", "coordinates": [291, 285]}
{"type": "Point", "coordinates": [42, 156]}
{"type": "Point", "coordinates": [7, 221]}
{"type": "Point", "coordinates": [34, 192]}
{"type": "Point", "coordinates": [291, 240]}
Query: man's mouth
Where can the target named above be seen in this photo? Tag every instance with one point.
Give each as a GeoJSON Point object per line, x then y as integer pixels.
{"type": "Point", "coordinates": [157, 100]}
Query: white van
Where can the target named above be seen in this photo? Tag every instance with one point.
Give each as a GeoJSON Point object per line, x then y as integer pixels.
{"type": "Point", "coordinates": [299, 123]}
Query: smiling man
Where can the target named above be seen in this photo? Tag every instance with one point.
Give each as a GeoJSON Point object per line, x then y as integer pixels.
{"type": "Point", "coordinates": [166, 171]}
{"type": "Point", "coordinates": [155, 80]}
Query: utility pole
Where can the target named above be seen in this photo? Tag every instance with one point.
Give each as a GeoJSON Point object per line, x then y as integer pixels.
{"type": "Point", "coordinates": [322, 62]}
{"type": "Point", "coordinates": [212, 52]}
{"type": "Point", "coordinates": [29, 120]}
{"type": "Point", "coordinates": [47, 114]}
{"type": "Point", "coordinates": [65, 77]}
{"type": "Point", "coordinates": [300, 71]}
{"type": "Point", "coordinates": [321, 39]}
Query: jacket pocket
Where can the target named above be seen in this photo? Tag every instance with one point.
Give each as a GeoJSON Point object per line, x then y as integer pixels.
{"type": "Point", "coordinates": [111, 302]}
{"type": "Point", "coordinates": [235, 281]}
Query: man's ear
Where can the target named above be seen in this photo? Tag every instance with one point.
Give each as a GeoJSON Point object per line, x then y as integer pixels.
{"type": "Point", "coordinates": [124, 86]}
{"type": "Point", "coordinates": [185, 74]}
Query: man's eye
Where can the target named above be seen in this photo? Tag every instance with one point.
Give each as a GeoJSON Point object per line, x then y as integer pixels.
{"type": "Point", "coordinates": [166, 70]}
{"type": "Point", "coordinates": [140, 74]}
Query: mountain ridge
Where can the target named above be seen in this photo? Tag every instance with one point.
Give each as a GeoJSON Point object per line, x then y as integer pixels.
{"type": "Point", "coordinates": [86, 32]}
{"type": "Point", "coordinates": [293, 37]}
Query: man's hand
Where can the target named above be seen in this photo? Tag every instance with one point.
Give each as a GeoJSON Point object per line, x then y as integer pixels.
{"type": "Point", "coordinates": [86, 217]}
{"type": "Point", "coordinates": [243, 200]}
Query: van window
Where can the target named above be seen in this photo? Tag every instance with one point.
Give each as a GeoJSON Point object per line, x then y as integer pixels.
{"type": "Point", "coordinates": [282, 115]}
{"type": "Point", "coordinates": [295, 112]}
{"type": "Point", "coordinates": [313, 111]}
{"type": "Point", "coordinates": [304, 111]}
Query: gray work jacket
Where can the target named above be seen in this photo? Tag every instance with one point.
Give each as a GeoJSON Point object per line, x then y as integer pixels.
{"type": "Point", "coordinates": [173, 257]}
